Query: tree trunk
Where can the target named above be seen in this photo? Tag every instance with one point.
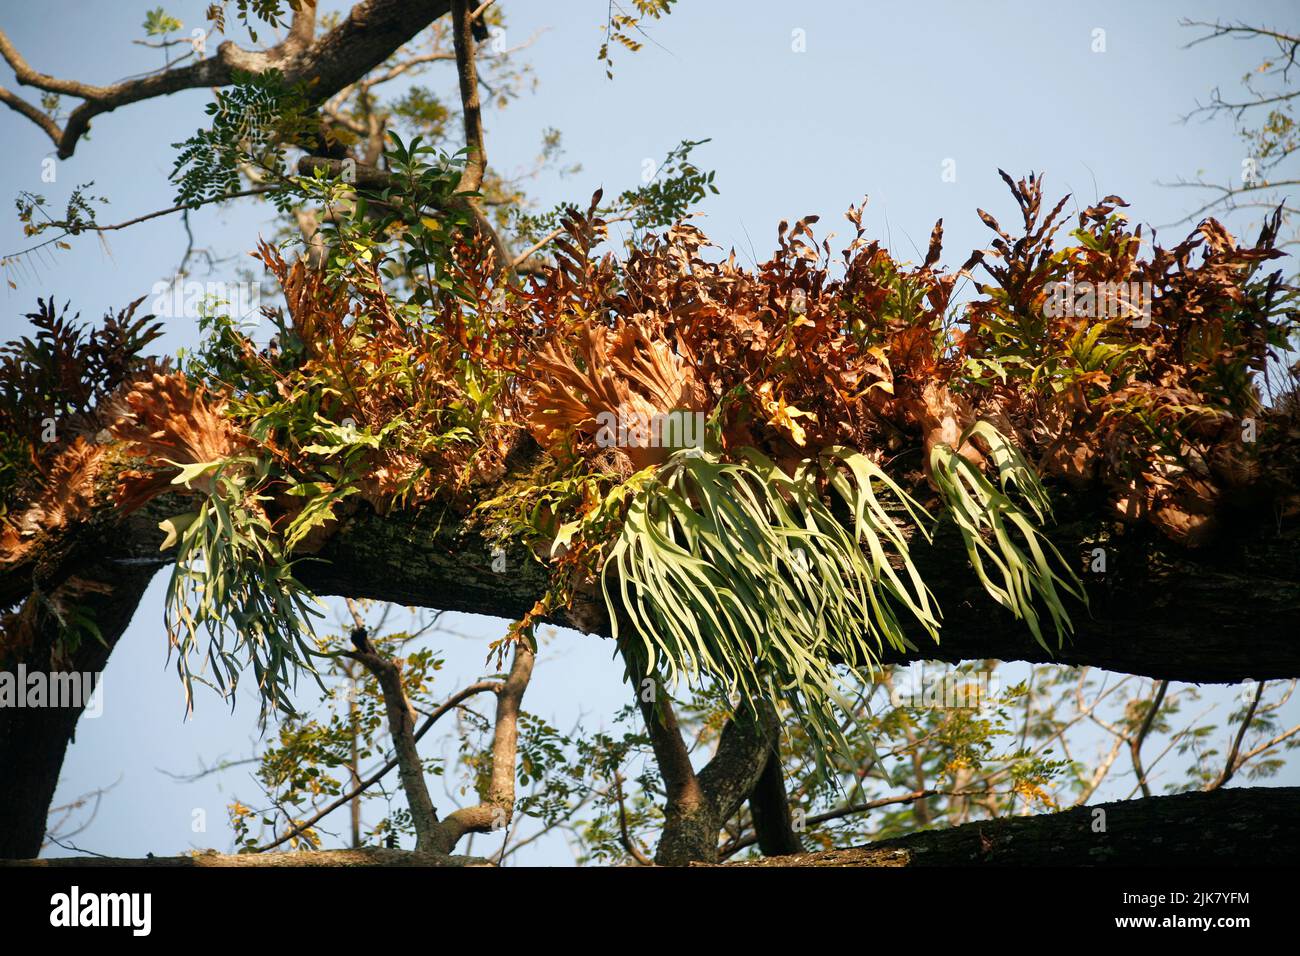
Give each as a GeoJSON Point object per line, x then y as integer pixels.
{"type": "Point", "coordinates": [33, 740]}
{"type": "Point", "coordinates": [698, 804]}
{"type": "Point", "coordinates": [770, 808]}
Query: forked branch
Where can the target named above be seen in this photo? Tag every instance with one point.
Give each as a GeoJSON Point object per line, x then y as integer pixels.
{"type": "Point", "coordinates": [321, 66]}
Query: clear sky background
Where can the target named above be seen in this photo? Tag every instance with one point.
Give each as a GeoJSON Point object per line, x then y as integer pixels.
{"type": "Point", "coordinates": [883, 94]}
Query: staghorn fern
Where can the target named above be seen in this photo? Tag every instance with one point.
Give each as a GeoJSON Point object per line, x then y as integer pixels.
{"type": "Point", "coordinates": [739, 572]}
{"type": "Point", "coordinates": [1031, 570]}
{"type": "Point", "coordinates": [233, 580]}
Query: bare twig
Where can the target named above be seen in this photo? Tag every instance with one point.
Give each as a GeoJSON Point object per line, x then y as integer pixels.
{"type": "Point", "coordinates": [1233, 762]}
{"type": "Point", "coordinates": [184, 208]}
{"type": "Point", "coordinates": [730, 849]}
{"type": "Point", "coordinates": [1135, 746]}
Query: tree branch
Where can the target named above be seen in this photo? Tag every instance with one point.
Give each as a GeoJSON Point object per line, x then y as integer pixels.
{"type": "Point", "coordinates": [498, 802]}
{"type": "Point", "coordinates": [624, 836]}
{"type": "Point", "coordinates": [471, 110]}
{"type": "Point", "coordinates": [1135, 746]}
{"type": "Point", "coordinates": [450, 704]}
{"type": "Point", "coordinates": [401, 724]}
{"type": "Point", "coordinates": [1231, 766]}
{"type": "Point", "coordinates": [321, 66]}
{"type": "Point", "coordinates": [770, 807]}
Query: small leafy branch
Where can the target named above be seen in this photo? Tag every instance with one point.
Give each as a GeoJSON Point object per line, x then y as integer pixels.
{"type": "Point", "coordinates": [621, 28]}
{"type": "Point", "coordinates": [253, 126]}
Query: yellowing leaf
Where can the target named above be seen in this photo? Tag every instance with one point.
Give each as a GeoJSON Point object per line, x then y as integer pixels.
{"type": "Point", "coordinates": [783, 416]}
{"type": "Point", "coordinates": [175, 526]}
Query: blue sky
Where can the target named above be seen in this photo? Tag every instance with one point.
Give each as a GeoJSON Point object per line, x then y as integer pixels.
{"type": "Point", "coordinates": [882, 95]}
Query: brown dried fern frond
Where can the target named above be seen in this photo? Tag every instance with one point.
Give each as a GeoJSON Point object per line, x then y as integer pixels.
{"type": "Point", "coordinates": [170, 424]}
{"type": "Point", "coordinates": [625, 372]}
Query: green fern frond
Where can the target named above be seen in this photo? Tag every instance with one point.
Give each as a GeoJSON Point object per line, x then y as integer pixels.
{"type": "Point", "coordinates": [738, 572]}
{"type": "Point", "coordinates": [1027, 569]}
{"type": "Point", "coordinates": [232, 579]}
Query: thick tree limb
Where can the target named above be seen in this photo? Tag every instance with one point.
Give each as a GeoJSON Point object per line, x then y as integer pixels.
{"type": "Point", "coordinates": [1236, 827]}
{"type": "Point", "coordinates": [770, 807]}
{"type": "Point", "coordinates": [743, 749]}
{"type": "Point", "coordinates": [1225, 614]}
